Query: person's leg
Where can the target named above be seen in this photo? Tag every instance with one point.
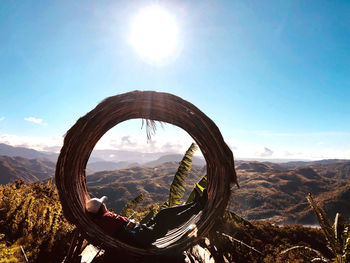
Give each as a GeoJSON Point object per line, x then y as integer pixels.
{"type": "Point", "coordinates": [167, 218]}
{"type": "Point", "coordinates": [140, 235]}
{"type": "Point", "coordinates": [144, 236]}
{"type": "Point", "coordinates": [173, 217]}
{"type": "Point", "coordinates": [171, 213]}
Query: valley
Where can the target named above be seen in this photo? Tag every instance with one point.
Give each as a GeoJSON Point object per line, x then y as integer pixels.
{"type": "Point", "coordinates": [268, 191]}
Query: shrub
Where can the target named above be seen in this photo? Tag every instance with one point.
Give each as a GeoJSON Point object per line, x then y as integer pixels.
{"type": "Point", "coordinates": [31, 216]}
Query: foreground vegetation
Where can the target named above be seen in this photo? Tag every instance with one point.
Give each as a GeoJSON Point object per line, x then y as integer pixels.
{"type": "Point", "coordinates": [31, 216]}
{"type": "Point", "coordinates": [32, 225]}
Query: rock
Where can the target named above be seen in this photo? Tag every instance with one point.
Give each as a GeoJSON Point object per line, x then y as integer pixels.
{"type": "Point", "coordinates": [198, 254]}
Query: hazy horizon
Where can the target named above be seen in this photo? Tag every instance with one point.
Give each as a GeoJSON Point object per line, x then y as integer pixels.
{"type": "Point", "coordinates": [135, 156]}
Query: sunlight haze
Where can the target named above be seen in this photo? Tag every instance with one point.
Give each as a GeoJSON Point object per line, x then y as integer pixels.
{"type": "Point", "coordinates": [272, 75]}
{"type": "Point", "coordinates": [154, 33]}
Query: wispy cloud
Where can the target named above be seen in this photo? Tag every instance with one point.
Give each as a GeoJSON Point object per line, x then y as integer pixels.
{"type": "Point", "coordinates": [140, 143]}
{"type": "Point", "coordinates": [35, 120]}
{"type": "Point", "coordinates": [110, 141]}
{"type": "Point", "coordinates": [2, 118]}
{"type": "Point", "coordinates": [266, 153]}
{"type": "Point", "coordinates": [302, 134]}
{"type": "Point", "coordinates": [294, 151]}
{"type": "Point", "coordinates": [51, 143]}
{"type": "Point", "coordinates": [180, 145]}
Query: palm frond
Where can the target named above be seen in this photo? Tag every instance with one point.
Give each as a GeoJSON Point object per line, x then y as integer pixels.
{"type": "Point", "coordinates": [177, 187]}
{"type": "Point", "coordinates": [151, 127]}
{"type": "Point", "coordinates": [237, 220]}
{"type": "Point", "coordinates": [134, 202]}
{"type": "Point", "coordinates": [324, 222]}
{"type": "Point", "coordinates": [199, 188]}
{"type": "Point", "coordinates": [337, 234]}
{"type": "Point", "coordinates": [153, 211]}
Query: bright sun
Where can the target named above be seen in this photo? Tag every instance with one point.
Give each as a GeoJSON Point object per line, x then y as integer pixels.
{"type": "Point", "coordinates": [154, 34]}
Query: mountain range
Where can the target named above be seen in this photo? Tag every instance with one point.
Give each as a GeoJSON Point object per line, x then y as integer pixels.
{"type": "Point", "coordinates": [103, 160]}
{"type": "Point", "coordinates": [11, 151]}
{"type": "Point", "coordinates": [270, 191]}
{"type": "Point", "coordinates": [278, 191]}
{"type": "Point", "coordinates": [29, 170]}
{"type": "Point", "coordinates": [267, 191]}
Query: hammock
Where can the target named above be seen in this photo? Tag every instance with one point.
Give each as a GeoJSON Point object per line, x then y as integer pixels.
{"type": "Point", "coordinates": [87, 131]}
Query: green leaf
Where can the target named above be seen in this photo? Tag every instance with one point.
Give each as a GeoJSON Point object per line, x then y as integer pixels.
{"type": "Point", "coordinates": [337, 234]}
{"type": "Point", "coordinates": [177, 188]}
{"type": "Point", "coordinates": [134, 202]}
{"type": "Point", "coordinates": [154, 210]}
{"type": "Point", "coordinates": [199, 188]}
{"type": "Point", "coordinates": [236, 219]}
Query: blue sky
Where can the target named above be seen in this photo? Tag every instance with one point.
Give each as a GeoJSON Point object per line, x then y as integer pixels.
{"type": "Point", "coordinates": [273, 75]}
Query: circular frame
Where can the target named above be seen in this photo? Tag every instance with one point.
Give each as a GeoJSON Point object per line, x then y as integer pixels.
{"type": "Point", "coordinates": [81, 139]}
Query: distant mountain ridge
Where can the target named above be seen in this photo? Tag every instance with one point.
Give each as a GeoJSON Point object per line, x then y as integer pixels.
{"type": "Point", "coordinates": [273, 191]}
{"type": "Point", "coordinates": [29, 170]}
{"type": "Point", "coordinates": [12, 151]}
{"type": "Point", "coordinates": [102, 160]}
{"type": "Point", "coordinates": [123, 185]}
{"type": "Point", "coordinates": [108, 166]}
{"type": "Point", "coordinates": [175, 158]}
{"type": "Point", "coordinates": [277, 191]}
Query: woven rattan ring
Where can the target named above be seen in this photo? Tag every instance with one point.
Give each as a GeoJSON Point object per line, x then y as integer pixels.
{"type": "Point", "coordinates": [81, 139]}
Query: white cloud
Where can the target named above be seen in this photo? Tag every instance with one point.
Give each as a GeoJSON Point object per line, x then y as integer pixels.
{"type": "Point", "coordinates": [309, 154]}
{"type": "Point", "coordinates": [52, 143]}
{"type": "Point", "coordinates": [266, 153]}
{"type": "Point", "coordinates": [297, 134]}
{"type": "Point", "coordinates": [287, 154]}
{"type": "Point", "coordinates": [178, 144]}
{"type": "Point", "coordinates": [35, 120]}
{"type": "Point", "coordinates": [232, 147]}
{"type": "Point", "coordinates": [141, 144]}
{"type": "Point", "coordinates": [127, 140]}
{"type": "Point", "coordinates": [297, 151]}
{"type": "Point", "coordinates": [172, 147]}
{"type": "Point", "coordinates": [2, 118]}
{"type": "Point", "coordinates": [112, 141]}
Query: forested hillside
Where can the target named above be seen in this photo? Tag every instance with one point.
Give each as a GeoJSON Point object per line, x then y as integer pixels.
{"type": "Point", "coordinates": [274, 192]}
{"type": "Point", "coordinates": [29, 170]}
{"type": "Point", "coordinates": [122, 185]}
{"type": "Point", "coordinates": [277, 191]}
{"type": "Point", "coordinates": [31, 217]}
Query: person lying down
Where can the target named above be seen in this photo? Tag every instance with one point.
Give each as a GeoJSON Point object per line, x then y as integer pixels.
{"type": "Point", "coordinates": [142, 235]}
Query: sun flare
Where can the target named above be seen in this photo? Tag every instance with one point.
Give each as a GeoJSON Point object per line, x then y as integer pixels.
{"type": "Point", "coordinates": [154, 33]}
